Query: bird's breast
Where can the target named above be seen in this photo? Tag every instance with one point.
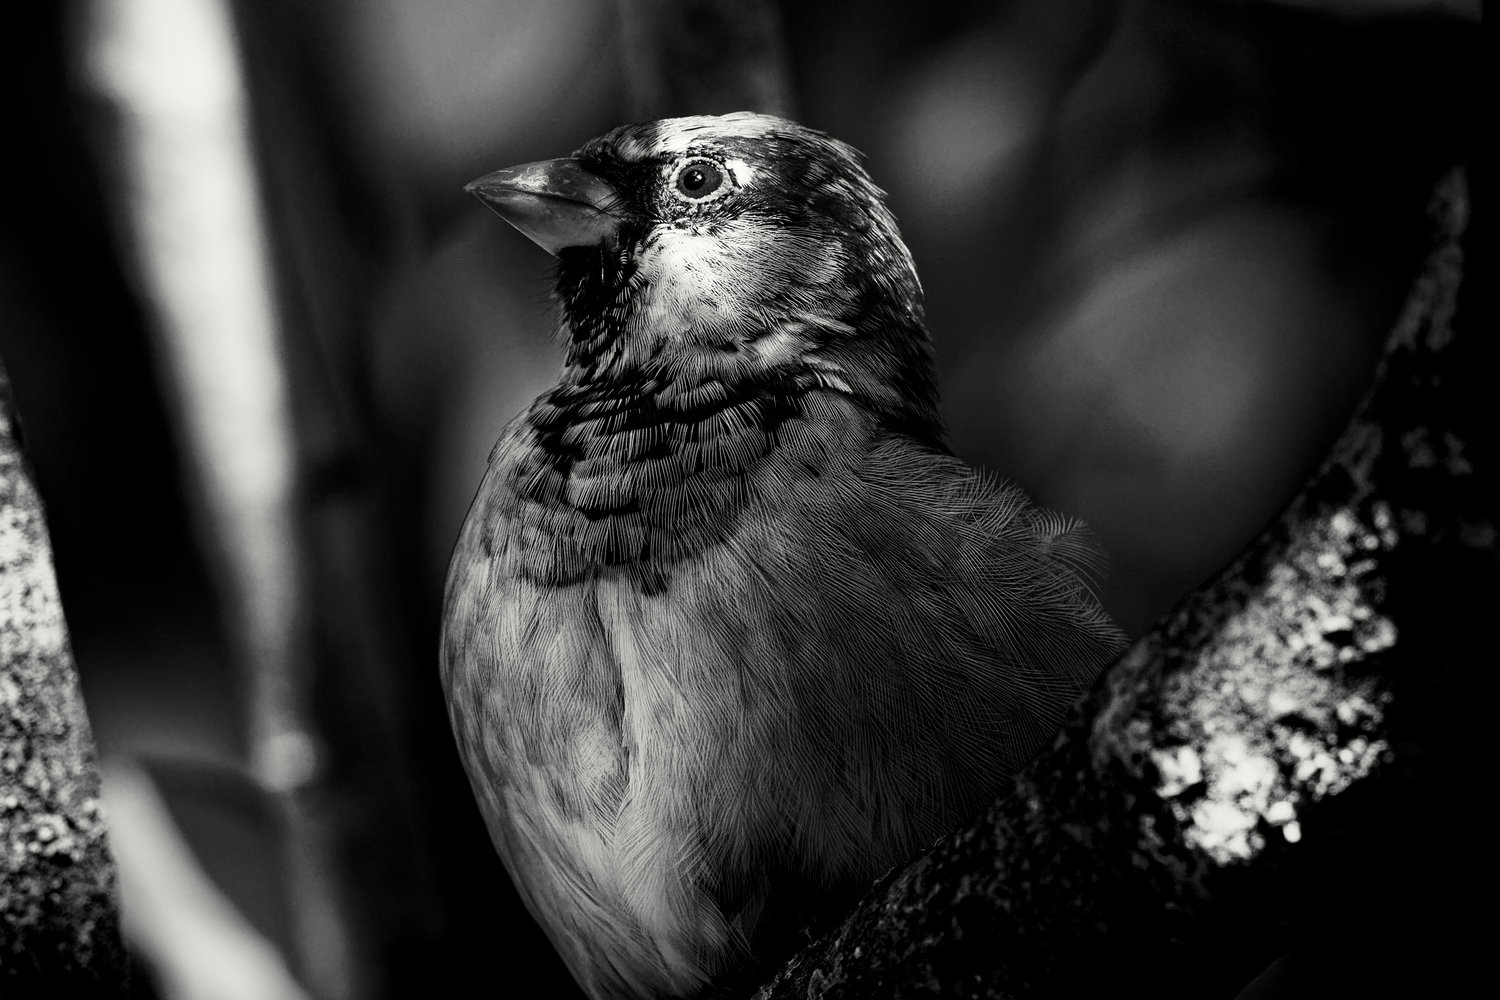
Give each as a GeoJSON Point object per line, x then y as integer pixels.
{"type": "Point", "coordinates": [636, 477]}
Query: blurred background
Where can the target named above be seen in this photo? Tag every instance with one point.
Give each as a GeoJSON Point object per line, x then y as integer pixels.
{"type": "Point", "coordinates": [261, 343]}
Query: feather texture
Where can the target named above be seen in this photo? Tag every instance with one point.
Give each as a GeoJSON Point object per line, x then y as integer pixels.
{"type": "Point", "coordinates": [727, 630]}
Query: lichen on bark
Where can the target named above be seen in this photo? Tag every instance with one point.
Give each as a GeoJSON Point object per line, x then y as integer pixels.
{"type": "Point", "coordinates": [59, 928]}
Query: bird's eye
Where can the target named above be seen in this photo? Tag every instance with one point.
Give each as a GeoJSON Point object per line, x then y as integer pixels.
{"type": "Point", "coordinates": [699, 179]}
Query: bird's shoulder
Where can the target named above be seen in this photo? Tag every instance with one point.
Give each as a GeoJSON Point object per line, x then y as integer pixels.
{"type": "Point", "coordinates": [955, 551]}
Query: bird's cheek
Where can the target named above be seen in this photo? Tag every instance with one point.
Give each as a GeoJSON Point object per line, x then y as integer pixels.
{"type": "Point", "coordinates": [689, 285]}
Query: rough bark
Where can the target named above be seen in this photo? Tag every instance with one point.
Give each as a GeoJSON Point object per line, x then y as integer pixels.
{"type": "Point", "coordinates": [1283, 765]}
{"type": "Point", "coordinates": [59, 925]}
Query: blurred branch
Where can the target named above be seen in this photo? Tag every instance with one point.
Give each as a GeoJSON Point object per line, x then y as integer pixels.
{"type": "Point", "coordinates": [59, 931]}
{"type": "Point", "coordinates": [192, 211]}
{"type": "Point", "coordinates": [199, 945]}
{"type": "Point", "coordinates": [389, 751]}
{"type": "Point", "coordinates": [705, 57]}
{"type": "Point", "coordinates": [1281, 763]}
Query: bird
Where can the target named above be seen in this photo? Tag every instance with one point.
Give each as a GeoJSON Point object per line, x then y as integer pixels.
{"type": "Point", "coordinates": [729, 630]}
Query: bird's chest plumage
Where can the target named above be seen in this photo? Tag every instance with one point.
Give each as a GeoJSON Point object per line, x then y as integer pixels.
{"type": "Point", "coordinates": [599, 690]}
{"type": "Point", "coordinates": [634, 478]}
{"type": "Point", "coordinates": [693, 665]}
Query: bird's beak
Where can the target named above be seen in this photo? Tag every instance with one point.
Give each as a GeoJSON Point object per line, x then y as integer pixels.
{"type": "Point", "coordinates": [557, 203]}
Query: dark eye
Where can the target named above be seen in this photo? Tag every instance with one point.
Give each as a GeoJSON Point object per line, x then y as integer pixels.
{"type": "Point", "coordinates": [699, 179]}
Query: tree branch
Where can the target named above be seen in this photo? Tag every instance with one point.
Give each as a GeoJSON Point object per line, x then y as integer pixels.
{"type": "Point", "coordinates": [59, 925]}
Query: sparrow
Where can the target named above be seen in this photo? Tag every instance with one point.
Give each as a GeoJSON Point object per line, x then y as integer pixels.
{"type": "Point", "coordinates": [728, 630]}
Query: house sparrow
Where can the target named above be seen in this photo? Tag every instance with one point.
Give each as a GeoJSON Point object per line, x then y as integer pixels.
{"type": "Point", "coordinates": [728, 630]}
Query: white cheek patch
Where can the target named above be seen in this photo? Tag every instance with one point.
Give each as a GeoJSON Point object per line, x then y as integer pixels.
{"type": "Point", "coordinates": [742, 172]}
{"type": "Point", "coordinates": [691, 282]}
{"type": "Point", "coordinates": [711, 288]}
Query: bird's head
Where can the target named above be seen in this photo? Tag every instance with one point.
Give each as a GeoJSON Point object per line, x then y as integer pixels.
{"type": "Point", "coordinates": [737, 246]}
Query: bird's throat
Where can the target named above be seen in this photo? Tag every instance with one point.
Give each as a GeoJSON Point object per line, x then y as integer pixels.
{"type": "Point", "coordinates": [638, 474]}
{"type": "Point", "coordinates": [667, 430]}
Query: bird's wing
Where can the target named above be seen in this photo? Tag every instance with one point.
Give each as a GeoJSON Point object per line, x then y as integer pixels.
{"type": "Point", "coordinates": [910, 632]}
